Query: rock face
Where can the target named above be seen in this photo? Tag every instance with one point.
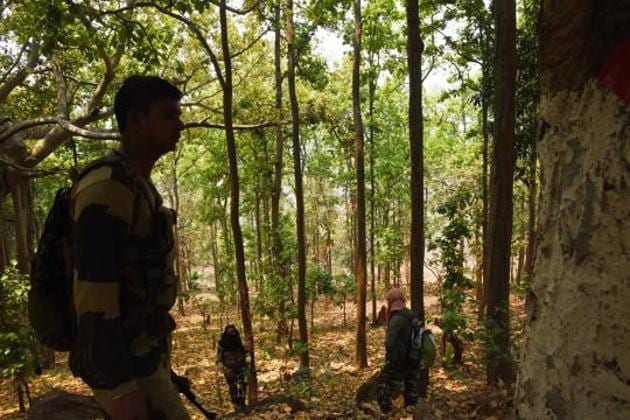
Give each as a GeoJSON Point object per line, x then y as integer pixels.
{"type": "Point", "coordinates": [61, 405]}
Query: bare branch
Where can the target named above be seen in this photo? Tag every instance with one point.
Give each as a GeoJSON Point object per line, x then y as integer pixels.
{"type": "Point", "coordinates": [18, 78]}
{"type": "Point", "coordinates": [88, 133]}
{"type": "Point", "coordinates": [61, 89]}
{"type": "Point", "coordinates": [15, 63]}
{"type": "Point", "coordinates": [203, 124]}
{"type": "Point", "coordinates": [16, 128]}
{"type": "Point", "coordinates": [251, 44]}
{"type": "Point", "coordinates": [77, 10]}
{"type": "Point", "coordinates": [189, 23]}
{"type": "Point", "coordinates": [31, 172]}
{"type": "Point", "coordinates": [203, 106]}
{"type": "Point", "coordinates": [238, 11]}
{"type": "Point", "coordinates": [58, 135]}
{"type": "Point", "coordinates": [428, 72]}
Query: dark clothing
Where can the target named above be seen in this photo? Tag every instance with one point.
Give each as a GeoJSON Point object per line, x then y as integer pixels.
{"type": "Point", "coordinates": [237, 385]}
{"type": "Point", "coordinates": [232, 355]}
{"type": "Point", "coordinates": [398, 340]}
{"type": "Point", "coordinates": [233, 360]}
{"type": "Point", "coordinates": [398, 372]}
{"type": "Point", "coordinates": [390, 385]}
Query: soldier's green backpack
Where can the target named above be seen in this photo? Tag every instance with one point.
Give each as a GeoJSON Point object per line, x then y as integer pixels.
{"type": "Point", "coordinates": [422, 351]}
{"type": "Point", "coordinates": [50, 306]}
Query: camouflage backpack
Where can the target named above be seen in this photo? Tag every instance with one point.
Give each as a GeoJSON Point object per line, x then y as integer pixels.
{"type": "Point", "coordinates": [50, 299]}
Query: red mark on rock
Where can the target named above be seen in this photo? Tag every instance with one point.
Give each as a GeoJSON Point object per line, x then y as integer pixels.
{"type": "Point", "coordinates": [615, 72]}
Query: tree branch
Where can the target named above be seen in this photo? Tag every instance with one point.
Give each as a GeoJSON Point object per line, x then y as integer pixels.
{"type": "Point", "coordinates": [18, 78]}
{"type": "Point", "coordinates": [15, 63]}
{"type": "Point", "coordinates": [23, 125]}
{"type": "Point", "coordinates": [203, 124]}
{"type": "Point", "coordinates": [238, 11]}
{"type": "Point", "coordinates": [61, 89]}
{"type": "Point", "coordinates": [251, 44]}
{"type": "Point", "coordinates": [190, 24]}
{"type": "Point", "coordinates": [31, 172]}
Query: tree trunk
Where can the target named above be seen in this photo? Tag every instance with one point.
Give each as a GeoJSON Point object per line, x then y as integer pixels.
{"type": "Point", "coordinates": [350, 199]}
{"type": "Point", "coordinates": [372, 93]}
{"type": "Point", "coordinates": [576, 358]}
{"type": "Point", "coordinates": [234, 203]}
{"type": "Point", "coordinates": [531, 223]}
{"type": "Point", "coordinates": [485, 88]}
{"type": "Point", "coordinates": [276, 189]}
{"type": "Point", "coordinates": [478, 272]}
{"type": "Point", "coordinates": [414, 63]}
{"type": "Point", "coordinates": [259, 243]}
{"type": "Point", "coordinates": [481, 304]}
{"type": "Point", "coordinates": [299, 194]}
{"type": "Point", "coordinates": [179, 266]}
{"type": "Point", "coordinates": [20, 193]}
{"type": "Point", "coordinates": [499, 362]}
{"type": "Point", "coordinates": [4, 250]}
{"type": "Point", "coordinates": [312, 314]}
{"type": "Point", "coordinates": [329, 249]}
{"type": "Point", "coordinates": [519, 265]}
{"type": "Point", "coordinates": [214, 239]}
{"type": "Point", "coordinates": [360, 254]}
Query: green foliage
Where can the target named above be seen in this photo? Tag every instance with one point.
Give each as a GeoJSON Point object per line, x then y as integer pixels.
{"type": "Point", "coordinates": [318, 282]}
{"type": "Point", "coordinates": [458, 39]}
{"type": "Point", "coordinates": [17, 340]}
{"type": "Point", "coordinates": [345, 287]}
{"type": "Point", "coordinates": [449, 244]}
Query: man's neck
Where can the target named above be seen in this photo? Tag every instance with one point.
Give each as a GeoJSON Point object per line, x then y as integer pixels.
{"type": "Point", "coordinates": [139, 160]}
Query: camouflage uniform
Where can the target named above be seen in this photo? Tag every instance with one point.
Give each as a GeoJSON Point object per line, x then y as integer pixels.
{"type": "Point", "coordinates": [398, 372]}
{"type": "Point", "coordinates": [124, 286]}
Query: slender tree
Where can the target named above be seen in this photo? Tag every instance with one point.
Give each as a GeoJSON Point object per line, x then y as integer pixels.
{"type": "Point", "coordinates": [234, 201]}
{"type": "Point", "coordinates": [276, 188]}
{"type": "Point", "coordinates": [359, 245]}
{"type": "Point", "coordinates": [299, 193]}
{"type": "Point", "coordinates": [414, 63]}
{"type": "Point", "coordinates": [499, 362]}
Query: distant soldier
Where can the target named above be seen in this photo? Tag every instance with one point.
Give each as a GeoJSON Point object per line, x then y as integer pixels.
{"type": "Point", "coordinates": [398, 370]}
{"type": "Point", "coordinates": [231, 358]}
{"type": "Point", "coordinates": [124, 283]}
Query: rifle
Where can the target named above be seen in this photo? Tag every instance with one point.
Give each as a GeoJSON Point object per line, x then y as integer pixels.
{"type": "Point", "coordinates": [183, 386]}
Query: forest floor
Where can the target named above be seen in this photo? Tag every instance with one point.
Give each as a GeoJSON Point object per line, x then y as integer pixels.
{"type": "Point", "coordinates": [454, 392]}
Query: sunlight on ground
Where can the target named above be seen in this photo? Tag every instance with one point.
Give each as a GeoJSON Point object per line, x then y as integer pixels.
{"type": "Point", "coordinates": [454, 393]}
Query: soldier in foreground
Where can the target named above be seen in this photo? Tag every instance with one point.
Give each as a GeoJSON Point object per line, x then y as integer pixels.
{"type": "Point", "coordinates": [124, 283]}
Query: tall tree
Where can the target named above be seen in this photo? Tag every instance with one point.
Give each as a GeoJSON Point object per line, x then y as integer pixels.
{"type": "Point", "coordinates": [499, 362]}
{"type": "Point", "coordinates": [276, 188]}
{"type": "Point", "coordinates": [359, 244]}
{"type": "Point", "coordinates": [583, 258]}
{"type": "Point", "coordinates": [527, 99]}
{"type": "Point", "coordinates": [414, 63]}
{"type": "Point", "coordinates": [237, 234]}
{"type": "Point", "coordinates": [299, 193]}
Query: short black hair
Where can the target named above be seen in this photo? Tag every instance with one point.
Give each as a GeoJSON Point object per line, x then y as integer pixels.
{"type": "Point", "coordinates": [137, 92]}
